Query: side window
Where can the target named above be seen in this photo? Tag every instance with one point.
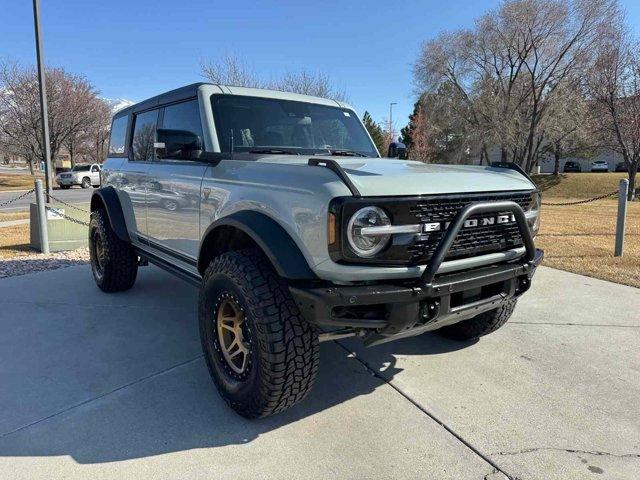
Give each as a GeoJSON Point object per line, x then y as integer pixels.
{"type": "Point", "coordinates": [144, 136]}
{"type": "Point", "coordinates": [95, 169]}
{"type": "Point", "coordinates": [181, 130]}
{"type": "Point", "coordinates": [118, 137]}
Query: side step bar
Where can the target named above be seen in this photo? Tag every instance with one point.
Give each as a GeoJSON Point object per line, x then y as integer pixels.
{"type": "Point", "coordinates": [179, 272]}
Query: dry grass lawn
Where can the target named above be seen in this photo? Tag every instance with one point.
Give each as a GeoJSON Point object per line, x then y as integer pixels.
{"type": "Point", "coordinates": [578, 185]}
{"type": "Point", "coordinates": [14, 241]}
{"type": "Point", "coordinates": [5, 217]}
{"type": "Point", "coordinates": [16, 182]}
{"type": "Point", "coordinates": [581, 239]}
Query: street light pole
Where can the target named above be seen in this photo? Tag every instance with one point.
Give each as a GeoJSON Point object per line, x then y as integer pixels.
{"type": "Point", "coordinates": [391, 121]}
{"type": "Point", "coordinates": [44, 113]}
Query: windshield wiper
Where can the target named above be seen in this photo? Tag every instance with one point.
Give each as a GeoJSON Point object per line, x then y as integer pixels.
{"type": "Point", "coordinates": [345, 153]}
{"type": "Point", "coordinates": [276, 151]}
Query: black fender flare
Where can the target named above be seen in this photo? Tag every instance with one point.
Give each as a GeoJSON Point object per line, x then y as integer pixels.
{"type": "Point", "coordinates": [271, 237]}
{"type": "Point", "coordinates": [107, 198]}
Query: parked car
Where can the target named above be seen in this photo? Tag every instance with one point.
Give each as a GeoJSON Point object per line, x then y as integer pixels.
{"type": "Point", "coordinates": [83, 175]}
{"type": "Point", "coordinates": [571, 166]}
{"type": "Point", "coordinates": [599, 166]}
{"type": "Point", "coordinates": [300, 233]}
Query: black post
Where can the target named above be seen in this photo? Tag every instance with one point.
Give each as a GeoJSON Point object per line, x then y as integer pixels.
{"type": "Point", "coordinates": [44, 113]}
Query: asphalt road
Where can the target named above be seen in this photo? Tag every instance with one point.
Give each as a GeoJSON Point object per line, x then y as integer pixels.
{"type": "Point", "coordinates": [114, 386]}
{"type": "Point", "coordinates": [74, 195]}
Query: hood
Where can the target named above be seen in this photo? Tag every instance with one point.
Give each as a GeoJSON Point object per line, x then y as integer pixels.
{"type": "Point", "coordinates": [393, 177]}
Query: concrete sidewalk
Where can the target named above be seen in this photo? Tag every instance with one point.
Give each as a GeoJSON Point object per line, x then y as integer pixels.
{"type": "Point", "coordinates": [114, 386]}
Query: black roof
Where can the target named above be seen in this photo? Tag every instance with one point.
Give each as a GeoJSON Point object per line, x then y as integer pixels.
{"type": "Point", "coordinates": [182, 93]}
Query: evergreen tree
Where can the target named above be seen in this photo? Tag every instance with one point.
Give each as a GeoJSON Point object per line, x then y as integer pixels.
{"type": "Point", "coordinates": [375, 131]}
{"type": "Point", "coordinates": [406, 133]}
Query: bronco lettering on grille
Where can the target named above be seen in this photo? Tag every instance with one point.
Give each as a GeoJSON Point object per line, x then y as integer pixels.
{"type": "Point", "coordinates": [471, 222]}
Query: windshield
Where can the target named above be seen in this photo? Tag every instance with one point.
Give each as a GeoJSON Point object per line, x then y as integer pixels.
{"type": "Point", "coordinates": [81, 168]}
{"type": "Point", "coordinates": [266, 125]}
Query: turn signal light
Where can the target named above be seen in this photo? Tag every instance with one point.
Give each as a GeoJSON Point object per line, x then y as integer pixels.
{"type": "Point", "coordinates": [331, 229]}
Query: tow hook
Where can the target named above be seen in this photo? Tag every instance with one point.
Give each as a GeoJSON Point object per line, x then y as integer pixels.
{"type": "Point", "coordinates": [430, 311]}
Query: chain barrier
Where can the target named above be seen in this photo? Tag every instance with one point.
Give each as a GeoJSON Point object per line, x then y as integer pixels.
{"type": "Point", "coordinates": [578, 202]}
{"type": "Point", "coordinates": [25, 194]}
{"type": "Point", "coordinates": [67, 217]}
{"type": "Point", "coordinates": [68, 204]}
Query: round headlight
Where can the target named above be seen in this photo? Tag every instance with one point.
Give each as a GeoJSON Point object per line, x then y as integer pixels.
{"type": "Point", "coordinates": [366, 244]}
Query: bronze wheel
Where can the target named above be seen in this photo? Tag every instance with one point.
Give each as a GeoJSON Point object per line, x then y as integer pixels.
{"type": "Point", "coordinates": [232, 335]}
{"type": "Point", "coordinates": [98, 252]}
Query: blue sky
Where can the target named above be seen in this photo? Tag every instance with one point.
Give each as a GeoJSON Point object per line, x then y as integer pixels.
{"type": "Point", "coordinates": [137, 48]}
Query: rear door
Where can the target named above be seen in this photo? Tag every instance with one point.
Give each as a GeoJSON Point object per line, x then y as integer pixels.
{"type": "Point", "coordinates": [173, 195]}
{"type": "Point", "coordinates": [134, 179]}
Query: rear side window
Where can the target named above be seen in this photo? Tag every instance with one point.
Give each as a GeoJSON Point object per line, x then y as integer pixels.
{"type": "Point", "coordinates": [117, 141]}
{"type": "Point", "coordinates": [181, 131]}
{"type": "Point", "coordinates": [144, 136]}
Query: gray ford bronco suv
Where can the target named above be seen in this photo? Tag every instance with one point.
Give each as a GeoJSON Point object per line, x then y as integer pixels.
{"type": "Point", "coordinates": [278, 207]}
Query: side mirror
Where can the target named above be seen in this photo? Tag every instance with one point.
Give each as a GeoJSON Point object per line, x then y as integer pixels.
{"type": "Point", "coordinates": [180, 144]}
{"type": "Point", "coordinates": [397, 150]}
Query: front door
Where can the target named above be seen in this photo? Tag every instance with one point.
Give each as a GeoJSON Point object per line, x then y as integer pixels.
{"type": "Point", "coordinates": [174, 180]}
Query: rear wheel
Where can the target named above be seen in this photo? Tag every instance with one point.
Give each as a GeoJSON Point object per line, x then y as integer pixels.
{"type": "Point", "coordinates": [86, 182]}
{"type": "Point", "coordinates": [480, 325]}
{"type": "Point", "coordinates": [114, 263]}
{"type": "Point", "coordinates": [261, 354]}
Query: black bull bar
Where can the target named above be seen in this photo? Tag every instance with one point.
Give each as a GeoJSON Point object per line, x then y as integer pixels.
{"type": "Point", "coordinates": [458, 222]}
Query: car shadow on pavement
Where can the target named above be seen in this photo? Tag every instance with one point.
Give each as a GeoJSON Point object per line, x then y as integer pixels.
{"type": "Point", "coordinates": [177, 408]}
{"type": "Point", "coordinates": [180, 410]}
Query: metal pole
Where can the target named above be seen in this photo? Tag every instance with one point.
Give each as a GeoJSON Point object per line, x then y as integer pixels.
{"type": "Point", "coordinates": [391, 121]}
{"type": "Point", "coordinates": [42, 218]}
{"type": "Point", "coordinates": [44, 113]}
{"type": "Point", "coordinates": [622, 216]}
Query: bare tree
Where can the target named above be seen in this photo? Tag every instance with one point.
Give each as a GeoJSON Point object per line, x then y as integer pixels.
{"type": "Point", "coordinates": [506, 69]}
{"type": "Point", "coordinates": [72, 102]}
{"type": "Point", "coordinates": [614, 84]}
{"type": "Point", "coordinates": [230, 70]}
{"type": "Point", "coordinates": [89, 140]}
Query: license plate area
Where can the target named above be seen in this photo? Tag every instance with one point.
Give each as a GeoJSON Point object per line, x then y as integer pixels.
{"type": "Point", "coordinates": [473, 295]}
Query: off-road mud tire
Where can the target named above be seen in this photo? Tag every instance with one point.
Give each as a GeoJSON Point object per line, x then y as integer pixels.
{"type": "Point", "coordinates": [118, 268]}
{"type": "Point", "coordinates": [480, 325]}
{"type": "Point", "coordinates": [284, 349]}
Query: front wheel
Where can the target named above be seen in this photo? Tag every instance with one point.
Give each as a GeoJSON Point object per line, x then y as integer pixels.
{"type": "Point", "coordinates": [262, 355]}
{"type": "Point", "coordinates": [86, 182]}
{"type": "Point", "coordinates": [480, 325]}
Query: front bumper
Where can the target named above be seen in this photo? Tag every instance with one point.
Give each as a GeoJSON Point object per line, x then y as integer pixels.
{"type": "Point", "coordinates": [406, 310]}
{"type": "Point", "coordinates": [389, 311]}
{"type": "Point", "coordinates": [66, 181]}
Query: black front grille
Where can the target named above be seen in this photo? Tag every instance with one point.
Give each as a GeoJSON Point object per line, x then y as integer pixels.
{"type": "Point", "coordinates": [470, 241]}
{"type": "Point", "coordinates": [414, 249]}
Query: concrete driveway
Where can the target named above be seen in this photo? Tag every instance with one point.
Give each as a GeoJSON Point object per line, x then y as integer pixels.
{"type": "Point", "coordinates": [114, 386]}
